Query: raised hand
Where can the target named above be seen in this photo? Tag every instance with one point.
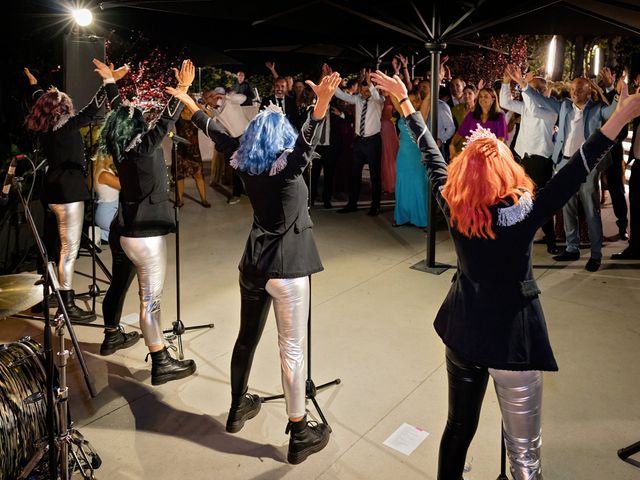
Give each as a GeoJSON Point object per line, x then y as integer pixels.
{"type": "Point", "coordinates": [326, 70]}
{"type": "Point", "coordinates": [607, 77]}
{"type": "Point", "coordinates": [404, 60]}
{"type": "Point", "coordinates": [480, 84]}
{"type": "Point", "coordinates": [184, 97]}
{"type": "Point", "coordinates": [627, 109]}
{"type": "Point", "coordinates": [506, 75]}
{"type": "Point", "coordinates": [186, 74]}
{"type": "Point", "coordinates": [394, 85]}
{"type": "Point", "coordinates": [103, 70]}
{"type": "Point", "coordinates": [529, 76]}
{"type": "Point", "coordinates": [270, 65]}
{"type": "Point", "coordinates": [118, 73]}
{"type": "Point", "coordinates": [327, 86]}
{"type": "Point", "coordinates": [32, 79]}
{"type": "Point", "coordinates": [395, 63]}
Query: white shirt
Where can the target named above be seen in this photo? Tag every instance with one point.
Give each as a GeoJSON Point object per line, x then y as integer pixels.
{"type": "Point", "coordinates": [575, 131]}
{"type": "Point", "coordinates": [106, 194]}
{"type": "Point", "coordinates": [230, 114]}
{"type": "Point", "coordinates": [374, 110]}
{"type": "Point", "coordinates": [536, 124]}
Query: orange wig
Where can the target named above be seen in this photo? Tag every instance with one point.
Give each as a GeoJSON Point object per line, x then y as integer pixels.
{"type": "Point", "coordinates": [484, 174]}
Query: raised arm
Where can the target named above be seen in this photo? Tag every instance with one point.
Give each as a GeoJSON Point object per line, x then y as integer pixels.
{"type": "Point", "coordinates": [506, 99]}
{"type": "Point", "coordinates": [298, 159]}
{"type": "Point", "coordinates": [151, 139]}
{"type": "Point", "coordinates": [36, 90]}
{"type": "Point", "coordinates": [346, 97]}
{"type": "Point", "coordinates": [431, 156]}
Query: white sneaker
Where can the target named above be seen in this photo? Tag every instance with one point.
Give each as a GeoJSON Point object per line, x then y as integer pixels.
{"type": "Point", "coordinates": [233, 200]}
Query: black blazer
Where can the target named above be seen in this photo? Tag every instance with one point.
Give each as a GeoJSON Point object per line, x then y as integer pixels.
{"type": "Point", "coordinates": [290, 109]}
{"type": "Point", "coordinates": [281, 243]}
{"type": "Point", "coordinates": [144, 209]}
{"type": "Point", "coordinates": [63, 147]}
{"type": "Point", "coordinates": [492, 315]}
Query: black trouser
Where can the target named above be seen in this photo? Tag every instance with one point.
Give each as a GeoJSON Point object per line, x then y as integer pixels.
{"type": "Point", "coordinates": [540, 170]}
{"type": "Point", "coordinates": [615, 185]}
{"type": "Point", "coordinates": [227, 146]}
{"type": "Point", "coordinates": [634, 207]}
{"type": "Point", "coordinates": [254, 309]}
{"type": "Point", "coordinates": [326, 162]}
{"type": "Point", "coordinates": [122, 273]}
{"type": "Point", "coordinates": [366, 150]}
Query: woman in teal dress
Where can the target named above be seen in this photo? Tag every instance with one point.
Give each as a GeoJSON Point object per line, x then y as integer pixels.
{"type": "Point", "coordinates": [411, 179]}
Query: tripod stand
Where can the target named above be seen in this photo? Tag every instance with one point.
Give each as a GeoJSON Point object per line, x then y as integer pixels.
{"type": "Point", "coordinates": [63, 443]}
{"type": "Point", "coordinates": [311, 389]}
{"type": "Point", "coordinates": [178, 328]}
{"type": "Point", "coordinates": [626, 452]}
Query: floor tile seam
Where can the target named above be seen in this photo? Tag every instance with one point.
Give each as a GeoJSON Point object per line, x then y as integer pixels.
{"type": "Point", "coordinates": [383, 417]}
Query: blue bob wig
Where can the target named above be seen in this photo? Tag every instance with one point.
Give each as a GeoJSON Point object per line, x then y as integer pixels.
{"type": "Point", "coordinates": [264, 139]}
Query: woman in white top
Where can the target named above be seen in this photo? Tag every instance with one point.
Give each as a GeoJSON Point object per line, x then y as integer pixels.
{"type": "Point", "coordinates": [107, 187]}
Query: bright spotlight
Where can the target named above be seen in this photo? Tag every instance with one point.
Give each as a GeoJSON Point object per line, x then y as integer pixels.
{"type": "Point", "coordinates": [596, 60]}
{"type": "Point", "coordinates": [551, 57]}
{"type": "Point", "coordinates": [82, 16]}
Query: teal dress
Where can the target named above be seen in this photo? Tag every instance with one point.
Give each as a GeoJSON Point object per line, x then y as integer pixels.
{"type": "Point", "coordinates": [411, 182]}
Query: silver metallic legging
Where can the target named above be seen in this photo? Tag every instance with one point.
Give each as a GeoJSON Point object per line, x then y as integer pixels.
{"type": "Point", "coordinates": [70, 217]}
{"type": "Point", "coordinates": [149, 255]}
{"type": "Point", "coordinates": [520, 399]}
{"type": "Point", "coordinates": [291, 306]}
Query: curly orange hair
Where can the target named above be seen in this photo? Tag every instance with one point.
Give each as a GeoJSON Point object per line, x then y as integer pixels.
{"type": "Point", "coordinates": [484, 174]}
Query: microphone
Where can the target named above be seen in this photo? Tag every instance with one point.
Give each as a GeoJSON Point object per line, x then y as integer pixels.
{"type": "Point", "coordinates": [178, 139]}
{"type": "Point", "coordinates": [8, 181]}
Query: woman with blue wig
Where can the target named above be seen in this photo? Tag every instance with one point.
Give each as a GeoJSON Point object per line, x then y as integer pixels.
{"type": "Point", "coordinates": [279, 256]}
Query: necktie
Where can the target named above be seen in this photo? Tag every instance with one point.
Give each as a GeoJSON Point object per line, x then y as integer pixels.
{"type": "Point", "coordinates": [281, 103]}
{"type": "Point", "coordinates": [363, 117]}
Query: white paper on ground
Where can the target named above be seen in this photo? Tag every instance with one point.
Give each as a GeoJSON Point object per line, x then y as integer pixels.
{"type": "Point", "coordinates": [132, 320]}
{"type": "Point", "coordinates": [406, 438]}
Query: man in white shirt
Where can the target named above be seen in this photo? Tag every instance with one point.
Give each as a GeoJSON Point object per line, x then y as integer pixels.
{"type": "Point", "coordinates": [534, 144]}
{"type": "Point", "coordinates": [366, 144]}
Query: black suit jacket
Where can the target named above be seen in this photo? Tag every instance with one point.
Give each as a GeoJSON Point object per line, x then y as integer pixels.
{"type": "Point", "coordinates": [492, 315]}
{"type": "Point", "coordinates": [281, 243]}
{"type": "Point", "coordinates": [290, 109]}
{"type": "Point", "coordinates": [63, 147]}
{"type": "Point", "coordinates": [144, 209]}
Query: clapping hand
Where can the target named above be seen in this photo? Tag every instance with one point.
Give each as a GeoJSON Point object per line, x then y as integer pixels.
{"type": "Point", "coordinates": [607, 77]}
{"type": "Point", "coordinates": [395, 63]}
{"type": "Point", "coordinates": [118, 73]}
{"type": "Point", "coordinates": [103, 70]}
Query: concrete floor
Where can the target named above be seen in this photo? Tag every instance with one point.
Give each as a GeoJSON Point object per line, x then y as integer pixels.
{"type": "Point", "coordinates": [372, 328]}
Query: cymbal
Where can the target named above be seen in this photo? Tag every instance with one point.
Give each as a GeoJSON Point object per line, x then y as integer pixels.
{"type": "Point", "coordinates": [18, 292]}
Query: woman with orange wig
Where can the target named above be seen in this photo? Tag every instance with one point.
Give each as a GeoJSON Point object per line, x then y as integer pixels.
{"type": "Point", "coordinates": [491, 320]}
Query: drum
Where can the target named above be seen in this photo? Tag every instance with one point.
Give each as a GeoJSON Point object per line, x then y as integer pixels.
{"type": "Point", "coordinates": [23, 409]}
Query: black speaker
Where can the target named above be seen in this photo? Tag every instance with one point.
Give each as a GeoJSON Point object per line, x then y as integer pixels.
{"type": "Point", "coordinates": [80, 81]}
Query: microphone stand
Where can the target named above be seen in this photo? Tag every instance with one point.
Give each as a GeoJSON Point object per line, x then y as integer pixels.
{"type": "Point", "coordinates": [94, 290]}
{"type": "Point", "coordinates": [178, 328]}
{"type": "Point", "coordinates": [311, 389]}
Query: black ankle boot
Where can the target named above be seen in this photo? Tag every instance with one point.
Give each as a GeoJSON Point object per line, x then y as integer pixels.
{"type": "Point", "coordinates": [165, 369]}
{"type": "Point", "coordinates": [76, 314]}
{"type": "Point", "coordinates": [306, 438]}
{"type": "Point", "coordinates": [242, 409]}
{"type": "Point", "coordinates": [117, 340]}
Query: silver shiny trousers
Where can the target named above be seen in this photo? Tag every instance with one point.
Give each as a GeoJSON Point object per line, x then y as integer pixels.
{"type": "Point", "coordinates": [520, 399]}
{"type": "Point", "coordinates": [70, 217]}
{"type": "Point", "coordinates": [291, 307]}
{"type": "Point", "coordinates": [149, 255]}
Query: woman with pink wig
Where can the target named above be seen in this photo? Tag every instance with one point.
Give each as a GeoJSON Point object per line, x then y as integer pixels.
{"type": "Point", "coordinates": [491, 320]}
